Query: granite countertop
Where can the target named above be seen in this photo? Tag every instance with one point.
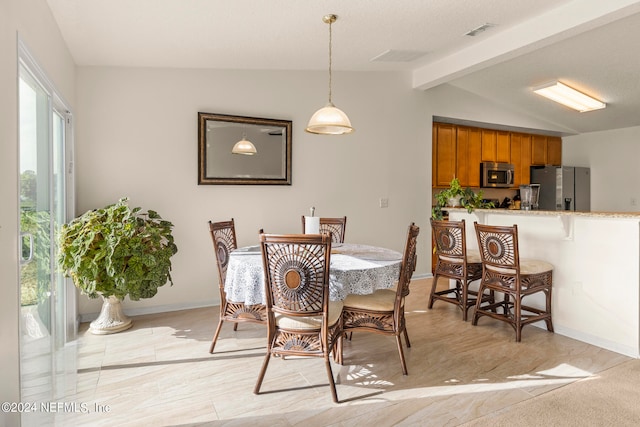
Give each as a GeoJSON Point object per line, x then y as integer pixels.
{"type": "Point", "coordinates": [634, 215]}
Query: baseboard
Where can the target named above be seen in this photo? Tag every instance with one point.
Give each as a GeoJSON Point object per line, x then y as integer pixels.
{"type": "Point", "coordinates": [88, 317]}
{"type": "Point", "coordinates": [593, 340]}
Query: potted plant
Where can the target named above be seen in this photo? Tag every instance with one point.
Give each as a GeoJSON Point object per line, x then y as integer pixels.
{"type": "Point", "coordinates": [114, 252]}
{"type": "Point", "coordinates": [455, 196]}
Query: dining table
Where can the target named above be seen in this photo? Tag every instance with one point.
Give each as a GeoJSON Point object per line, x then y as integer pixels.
{"type": "Point", "coordinates": [353, 269]}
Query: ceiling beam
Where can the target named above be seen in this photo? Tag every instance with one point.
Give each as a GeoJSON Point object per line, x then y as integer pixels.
{"type": "Point", "coordinates": [551, 27]}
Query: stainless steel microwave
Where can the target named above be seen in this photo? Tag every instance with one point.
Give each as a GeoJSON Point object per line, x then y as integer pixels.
{"type": "Point", "coordinates": [496, 175]}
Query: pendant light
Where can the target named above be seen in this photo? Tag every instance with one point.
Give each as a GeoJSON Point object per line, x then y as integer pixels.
{"type": "Point", "coordinates": [244, 146]}
{"type": "Point", "coordinates": [329, 120]}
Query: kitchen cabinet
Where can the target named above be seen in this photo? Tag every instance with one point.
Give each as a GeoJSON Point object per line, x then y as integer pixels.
{"type": "Point", "coordinates": [546, 150]}
{"type": "Point", "coordinates": [554, 150]}
{"type": "Point", "coordinates": [489, 145]}
{"type": "Point", "coordinates": [521, 158]}
{"type": "Point", "coordinates": [496, 146]}
{"type": "Point", "coordinates": [503, 147]}
{"type": "Point", "coordinates": [444, 154]}
{"type": "Point", "coordinates": [538, 150]}
{"type": "Point", "coordinates": [459, 150]}
{"type": "Point", "coordinates": [468, 150]}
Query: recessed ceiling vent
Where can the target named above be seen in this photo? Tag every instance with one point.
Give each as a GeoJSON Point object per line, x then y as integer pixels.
{"type": "Point", "coordinates": [393, 55]}
{"type": "Point", "coordinates": [482, 28]}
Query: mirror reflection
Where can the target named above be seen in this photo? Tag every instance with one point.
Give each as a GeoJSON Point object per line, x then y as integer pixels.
{"type": "Point", "coordinates": [243, 150]}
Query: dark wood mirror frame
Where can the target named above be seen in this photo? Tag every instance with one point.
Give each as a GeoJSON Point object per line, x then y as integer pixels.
{"type": "Point", "coordinates": [218, 133]}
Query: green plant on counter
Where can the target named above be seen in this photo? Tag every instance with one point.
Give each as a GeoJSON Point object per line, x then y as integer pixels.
{"type": "Point", "coordinates": [469, 199]}
{"type": "Point", "coordinates": [117, 251]}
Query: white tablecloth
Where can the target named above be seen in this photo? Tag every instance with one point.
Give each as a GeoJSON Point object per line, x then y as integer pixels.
{"type": "Point", "coordinates": [354, 269]}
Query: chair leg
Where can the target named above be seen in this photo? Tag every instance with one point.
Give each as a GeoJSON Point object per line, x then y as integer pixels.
{"type": "Point", "coordinates": [401, 352]}
{"type": "Point", "coordinates": [215, 336]}
{"type": "Point", "coordinates": [465, 299]}
{"type": "Point", "coordinates": [434, 282]}
{"type": "Point", "coordinates": [517, 313]}
{"type": "Point", "coordinates": [548, 320]}
{"type": "Point", "coordinates": [476, 314]}
{"type": "Point", "coordinates": [235, 326]}
{"type": "Point", "coordinates": [332, 383]}
{"type": "Point", "coordinates": [406, 337]}
{"type": "Point", "coordinates": [267, 357]}
{"type": "Point", "coordinates": [337, 348]}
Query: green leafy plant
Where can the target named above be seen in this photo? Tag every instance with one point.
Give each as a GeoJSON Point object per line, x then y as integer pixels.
{"type": "Point", "coordinates": [468, 199]}
{"type": "Point", "coordinates": [472, 200]}
{"type": "Point", "coordinates": [117, 251]}
{"type": "Point", "coordinates": [34, 275]}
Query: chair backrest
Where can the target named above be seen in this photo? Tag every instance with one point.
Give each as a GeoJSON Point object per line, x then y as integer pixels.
{"type": "Point", "coordinates": [498, 247]}
{"type": "Point", "coordinates": [408, 266]}
{"type": "Point", "coordinates": [449, 239]}
{"type": "Point", "coordinates": [335, 226]}
{"type": "Point", "coordinates": [296, 268]}
{"type": "Point", "coordinates": [223, 235]}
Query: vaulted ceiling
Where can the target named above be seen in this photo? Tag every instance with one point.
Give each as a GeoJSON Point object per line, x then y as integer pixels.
{"type": "Point", "coordinates": [588, 44]}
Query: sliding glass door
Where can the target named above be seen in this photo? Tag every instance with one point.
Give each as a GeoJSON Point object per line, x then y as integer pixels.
{"type": "Point", "coordinates": [44, 135]}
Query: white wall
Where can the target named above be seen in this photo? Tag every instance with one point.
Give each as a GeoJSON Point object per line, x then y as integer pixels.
{"type": "Point", "coordinates": [452, 102]}
{"type": "Point", "coordinates": [137, 137]}
{"type": "Point", "coordinates": [613, 159]}
{"type": "Point", "coordinates": [34, 22]}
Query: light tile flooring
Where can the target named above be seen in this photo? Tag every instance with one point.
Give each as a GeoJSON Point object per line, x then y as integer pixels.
{"type": "Point", "coordinates": [160, 373]}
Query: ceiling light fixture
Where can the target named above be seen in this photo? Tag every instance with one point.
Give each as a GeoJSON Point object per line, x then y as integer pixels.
{"type": "Point", "coordinates": [244, 146]}
{"type": "Point", "coordinates": [329, 120]}
{"type": "Point", "coordinates": [569, 97]}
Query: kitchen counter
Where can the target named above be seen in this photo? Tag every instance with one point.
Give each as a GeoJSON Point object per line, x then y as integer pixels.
{"type": "Point", "coordinates": [635, 215]}
{"type": "Point", "coordinates": [596, 275]}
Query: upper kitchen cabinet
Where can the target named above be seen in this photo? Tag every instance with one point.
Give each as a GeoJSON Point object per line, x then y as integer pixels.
{"type": "Point", "coordinates": [496, 146]}
{"type": "Point", "coordinates": [444, 154]}
{"type": "Point", "coordinates": [538, 150]}
{"type": "Point", "coordinates": [489, 145]}
{"type": "Point", "coordinates": [554, 150]}
{"type": "Point", "coordinates": [546, 150]}
{"type": "Point", "coordinates": [469, 146]}
{"type": "Point", "coordinates": [458, 151]}
{"type": "Point", "coordinates": [503, 147]}
{"type": "Point", "coordinates": [521, 158]}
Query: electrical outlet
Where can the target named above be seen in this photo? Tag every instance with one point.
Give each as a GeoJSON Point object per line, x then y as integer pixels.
{"type": "Point", "coordinates": [633, 201]}
{"type": "Point", "coordinates": [384, 202]}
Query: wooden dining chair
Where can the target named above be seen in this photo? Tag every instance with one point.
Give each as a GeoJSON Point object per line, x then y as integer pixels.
{"type": "Point", "coordinates": [383, 311]}
{"type": "Point", "coordinates": [300, 318]}
{"type": "Point", "coordinates": [335, 226]}
{"type": "Point", "coordinates": [455, 262]}
{"type": "Point", "coordinates": [223, 235]}
{"type": "Point", "coordinates": [504, 272]}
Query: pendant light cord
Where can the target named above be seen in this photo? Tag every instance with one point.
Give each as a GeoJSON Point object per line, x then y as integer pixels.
{"type": "Point", "coordinates": [330, 102]}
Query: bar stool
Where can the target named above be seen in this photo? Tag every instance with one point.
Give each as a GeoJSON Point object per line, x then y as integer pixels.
{"type": "Point", "coordinates": [457, 263]}
{"type": "Point", "coordinates": [504, 272]}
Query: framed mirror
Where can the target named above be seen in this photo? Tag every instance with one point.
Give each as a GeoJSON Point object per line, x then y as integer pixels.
{"type": "Point", "coordinates": [243, 150]}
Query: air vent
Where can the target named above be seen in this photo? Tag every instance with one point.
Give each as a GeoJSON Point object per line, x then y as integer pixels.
{"type": "Point", "coordinates": [480, 29]}
{"type": "Point", "coordinates": [392, 55]}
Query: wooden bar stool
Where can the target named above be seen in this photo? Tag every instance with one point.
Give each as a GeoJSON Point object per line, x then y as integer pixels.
{"type": "Point", "coordinates": [455, 262]}
{"type": "Point", "coordinates": [504, 272]}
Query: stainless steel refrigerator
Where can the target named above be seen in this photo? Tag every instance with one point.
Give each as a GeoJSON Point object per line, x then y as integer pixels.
{"type": "Point", "coordinates": [563, 187]}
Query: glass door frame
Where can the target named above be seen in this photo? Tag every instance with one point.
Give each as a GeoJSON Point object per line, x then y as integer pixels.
{"type": "Point", "coordinates": [63, 305]}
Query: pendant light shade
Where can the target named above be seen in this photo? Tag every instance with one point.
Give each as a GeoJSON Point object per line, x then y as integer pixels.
{"type": "Point", "coordinates": [329, 120]}
{"type": "Point", "coordinates": [244, 146]}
